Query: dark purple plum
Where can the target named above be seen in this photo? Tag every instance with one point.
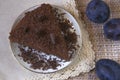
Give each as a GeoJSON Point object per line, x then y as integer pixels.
{"type": "Point", "coordinates": [98, 11]}
{"type": "Point", "coordinates": [112, 29]}
{"type": "Point", "coordinates": [107, 69]}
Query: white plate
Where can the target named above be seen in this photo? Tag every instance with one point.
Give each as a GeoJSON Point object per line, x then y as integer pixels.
{"type": "Point", "coordinates": [16, 51]}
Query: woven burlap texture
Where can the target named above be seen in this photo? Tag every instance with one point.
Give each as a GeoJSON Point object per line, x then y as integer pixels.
{"type": "Point", "coordinates": [103, 47]}
{"type": "Point", "coordinates": [84, 62]}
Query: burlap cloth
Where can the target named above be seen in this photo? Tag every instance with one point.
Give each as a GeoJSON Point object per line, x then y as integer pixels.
{"type": "Point", "coordinates": [103, 47]}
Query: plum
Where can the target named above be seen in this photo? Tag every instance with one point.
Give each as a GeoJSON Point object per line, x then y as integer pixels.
{"type": "Point", "coordinates": [112, 29]}
{"type": "Point", "coordinates": [98, 11]}
{"type": "Point", "coordinates": [107, 69]}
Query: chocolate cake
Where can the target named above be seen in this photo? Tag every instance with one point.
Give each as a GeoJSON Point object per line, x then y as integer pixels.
{"type": "Point", "coordinates": [40, 30]}
{"type": "Point", "coordinates": [44, 39]}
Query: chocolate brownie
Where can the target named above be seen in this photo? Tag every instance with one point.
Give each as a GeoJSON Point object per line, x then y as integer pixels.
{"type": "Point", "coordinates": [39, 29]}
